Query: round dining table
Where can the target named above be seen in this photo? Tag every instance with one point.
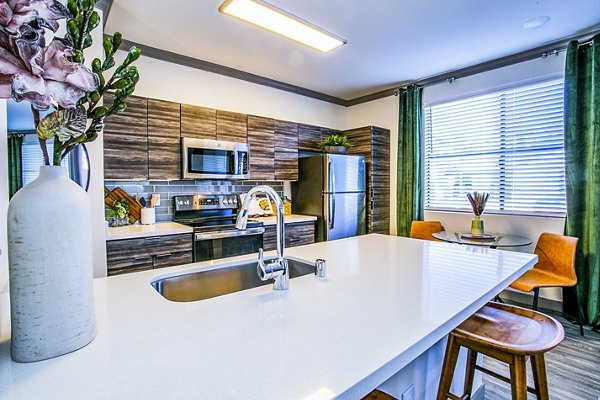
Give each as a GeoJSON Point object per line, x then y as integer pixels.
{"type": "Point", "coordinates": [499, 239]}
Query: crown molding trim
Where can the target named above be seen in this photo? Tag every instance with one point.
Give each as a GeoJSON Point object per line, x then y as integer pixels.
{"type": "Point", "coordinates": [546, 50]}
{"type": "Point", "coordinates": [164, 55]}
{"type": "Point", "coordinates": [105, 6]}
{"type": "Point", "coordinates": [207, 66]}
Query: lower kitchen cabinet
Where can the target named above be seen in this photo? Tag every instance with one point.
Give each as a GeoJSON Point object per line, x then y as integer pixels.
{"type": "Point", "coordinates": [140, 254]}
{"type": "Point", "coordinates": [296, 234]}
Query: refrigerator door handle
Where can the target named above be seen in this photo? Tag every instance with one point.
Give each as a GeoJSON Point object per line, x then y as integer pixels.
{"type": "Point", "coordinates": [332, 182]}
{"type": "Point", "coordinates": [332, 224]}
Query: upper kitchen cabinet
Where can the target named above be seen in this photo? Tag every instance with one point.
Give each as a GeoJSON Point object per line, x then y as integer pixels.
{"type": "Point", "coordinates": [261, 137]}
{"type": "Point", "coordinates": [126, 140]}
{"type": "Point", "coordinates": [286, 151]}
{"type": "Point", "coordinates": [163, 140]}
{"type": "Point", "coordinates": [231, 126]}
{"type": "Point", "coordinates": [198, 122]}
{"type": "Point", "coordinates": [374, 143]}
{"type": "Point", "coordinates": [309, 137]}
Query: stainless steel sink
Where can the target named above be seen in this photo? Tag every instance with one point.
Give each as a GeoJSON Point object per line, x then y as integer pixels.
{"type": "Point", "coordinates": [217, 282]}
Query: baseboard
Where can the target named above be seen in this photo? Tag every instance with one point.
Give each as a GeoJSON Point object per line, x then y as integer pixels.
{"type": "Point", "coordinates": [479, 393]}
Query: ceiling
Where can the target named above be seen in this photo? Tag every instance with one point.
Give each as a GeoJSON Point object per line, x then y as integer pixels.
{"type": "Point", "coordinates": [390, 42]}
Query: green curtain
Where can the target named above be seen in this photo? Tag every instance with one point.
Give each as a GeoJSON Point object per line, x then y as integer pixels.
{"type": "Point", "coordinates": [582, 150]}
{"type": "Point", "coordinates": [15, 164]}
{"type": "Point", "coordinates": [410, 204]}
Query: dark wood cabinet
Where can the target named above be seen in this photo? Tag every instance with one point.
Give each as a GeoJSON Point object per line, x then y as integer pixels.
{"type": "Point", "coordinates": [261, 137]}
{"type": "Point", "coordinates": [286, 151]}
{"type": "Point", "coordinates": [374, 143]}
{"type": "Point", "coordinates": [309, 137]}
{"type": "Point", "coordinates": [143, 142]}
{"type": "Point", "coordinates": [380, 181]}
{"type": "Point", "coordinates": [198, 122]}
{"type": "Point", "coordinates": [296, 234]}
{"type": "Point", "coordinates": [163, 140]}
{"type": "Point", "coordinates": [139, 254]}
{"type": "Point", "coordinates": [126, 141]}
{"type": "Point", "coordinates": [231, 126]}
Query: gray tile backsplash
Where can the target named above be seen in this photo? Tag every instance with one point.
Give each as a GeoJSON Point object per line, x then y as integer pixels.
{"type": "Point", "coordinates": [168, 189]}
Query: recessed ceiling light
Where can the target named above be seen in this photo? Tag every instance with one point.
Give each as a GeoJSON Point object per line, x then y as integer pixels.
{"type": "Point", "coordinates": [278, 21]}
{"type": "Point", "coordinates": [536, 22]}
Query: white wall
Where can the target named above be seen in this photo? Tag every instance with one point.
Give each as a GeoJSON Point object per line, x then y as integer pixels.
{"type": "Point", "coordinates": [383, 113]}
{"type": "Point", "coordinates": [168, 81]}
{"type": "Point", "coordinates": [4, 304]}
{"type": "Point", "coordinates": [96, 189]}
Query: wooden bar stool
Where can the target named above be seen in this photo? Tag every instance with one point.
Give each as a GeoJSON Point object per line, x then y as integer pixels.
{"type": "Point", "coordinates": [509, 334]}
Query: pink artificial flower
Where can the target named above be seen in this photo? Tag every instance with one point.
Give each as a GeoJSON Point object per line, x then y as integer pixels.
{"type": "Point", "coordinates": [33, 72]}
{"type": "Point", "coordinates": [19, 12]}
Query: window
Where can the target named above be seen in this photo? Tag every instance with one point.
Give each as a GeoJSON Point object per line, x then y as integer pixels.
{"type": "Point", "coordinates": [509, 143]}
{"type": "Point", "coordinates": [33, 159]}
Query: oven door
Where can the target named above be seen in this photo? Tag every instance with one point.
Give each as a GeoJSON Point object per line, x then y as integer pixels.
{"type": "Point", "coordinates": [213, 245]}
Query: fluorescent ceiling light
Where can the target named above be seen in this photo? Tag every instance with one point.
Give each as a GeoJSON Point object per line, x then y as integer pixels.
{"type": "Point", "coordinates": [278, 21]}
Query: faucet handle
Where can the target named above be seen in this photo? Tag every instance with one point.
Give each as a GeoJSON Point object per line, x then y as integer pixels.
{"type": "Point", "coordinates": [260, 254]}
{"type": "Point", "coordinates": [261, 267]}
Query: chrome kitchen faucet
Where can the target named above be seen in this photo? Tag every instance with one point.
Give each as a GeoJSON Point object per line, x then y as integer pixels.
{"type": "Point", "coordinates": [278, 268]}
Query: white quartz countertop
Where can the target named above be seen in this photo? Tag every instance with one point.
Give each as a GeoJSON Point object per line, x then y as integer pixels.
{"type": "Point", "coordinates": [288, 219]}
{"type": "Point", "coordinates": [386, 300]}
{"type": "Point", "coordinates": [140, 231]}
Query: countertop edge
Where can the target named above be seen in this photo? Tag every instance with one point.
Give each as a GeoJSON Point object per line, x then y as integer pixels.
{"type": "Point", "coordinates": [141, 231]}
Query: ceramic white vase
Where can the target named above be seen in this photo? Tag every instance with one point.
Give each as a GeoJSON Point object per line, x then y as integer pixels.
{"type": "Point", "coordinates": [50, 267]}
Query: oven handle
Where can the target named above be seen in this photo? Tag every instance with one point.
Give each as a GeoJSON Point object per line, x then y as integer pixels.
{"type": "Point", "coordinates": [232, 233]}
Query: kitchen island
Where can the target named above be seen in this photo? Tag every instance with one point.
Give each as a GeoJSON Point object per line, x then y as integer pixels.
{"type": "Point", "coordinates": [386, 301]}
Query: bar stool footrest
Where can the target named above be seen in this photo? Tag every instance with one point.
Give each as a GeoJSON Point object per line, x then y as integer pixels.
{"type": "Point", "coordinates": [501, 377]}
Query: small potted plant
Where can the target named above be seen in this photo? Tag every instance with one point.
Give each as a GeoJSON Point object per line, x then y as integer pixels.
{"type": "Point", "coordinates": [118, 214]}
{"type": "Point", "coordinates": [335, 144]}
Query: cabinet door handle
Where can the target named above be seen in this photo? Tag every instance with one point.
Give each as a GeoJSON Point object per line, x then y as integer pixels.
{"type": "Point", "coordinates": [142, 258]}
{"type": "Point", "coordinates": [153, 238]}
{"type": "Point", "coordinates": [163, 255]}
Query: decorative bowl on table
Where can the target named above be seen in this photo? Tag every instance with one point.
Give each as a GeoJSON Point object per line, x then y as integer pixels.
{"type": "Point", "coordinates": [471, 236]}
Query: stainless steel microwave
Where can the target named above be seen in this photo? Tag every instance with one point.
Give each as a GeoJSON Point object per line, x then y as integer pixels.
{"type": "Point", "coordinates": [214, 159]}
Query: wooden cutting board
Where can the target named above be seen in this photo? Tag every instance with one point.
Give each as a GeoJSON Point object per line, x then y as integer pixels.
{"type": "Point", "coordinates": [135, 208]}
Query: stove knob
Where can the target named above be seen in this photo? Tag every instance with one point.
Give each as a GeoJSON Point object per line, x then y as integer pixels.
{"type": "Point", "coordinates": [229, 201]}
{"type": "Point", "coordinates": [224, 201]}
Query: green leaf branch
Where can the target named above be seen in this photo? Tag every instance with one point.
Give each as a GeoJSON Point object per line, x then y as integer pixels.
{"type": "Point", "coordinates": [82, 20]}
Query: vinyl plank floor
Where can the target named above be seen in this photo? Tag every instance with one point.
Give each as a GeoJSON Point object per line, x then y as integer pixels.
{"type": "Point", "coordinates": [573, 368]}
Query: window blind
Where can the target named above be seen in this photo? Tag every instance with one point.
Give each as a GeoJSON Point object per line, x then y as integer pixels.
{"type": "Point", "coordinates": [509, 143]}
{"type": "Point", "coordinates": [32, 157]}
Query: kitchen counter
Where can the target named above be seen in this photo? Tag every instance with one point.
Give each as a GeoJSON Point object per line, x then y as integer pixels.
{"type": "Point", "coordinates": [140, 231]}
{"type": "Point", "coordinates": [386, 301]}
{"type": "Point", "coordinates": [288, 219]}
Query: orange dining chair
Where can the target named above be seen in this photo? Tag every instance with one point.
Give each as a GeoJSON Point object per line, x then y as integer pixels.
{"type": "Point", "coordinates": [424, 229]}
{"type": "Point", "coordinates": [555, 268]}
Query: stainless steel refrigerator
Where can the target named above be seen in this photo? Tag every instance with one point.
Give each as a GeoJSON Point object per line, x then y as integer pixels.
{"type": "Point", "coordinates": [333, 188]}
